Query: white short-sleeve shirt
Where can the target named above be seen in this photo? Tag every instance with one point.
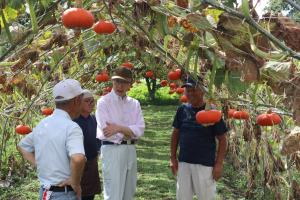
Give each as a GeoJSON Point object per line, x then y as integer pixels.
{"type": "Point", "coordinates": [53, 141]}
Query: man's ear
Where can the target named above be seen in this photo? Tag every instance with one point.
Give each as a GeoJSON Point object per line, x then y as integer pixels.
{"type": "Point", "coordinates": [78, 99]}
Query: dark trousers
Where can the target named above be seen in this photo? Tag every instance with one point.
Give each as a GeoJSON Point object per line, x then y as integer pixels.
{"type": "Point", "coordinates": [88, 197]}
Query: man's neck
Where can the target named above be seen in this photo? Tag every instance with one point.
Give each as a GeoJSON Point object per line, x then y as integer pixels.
{"type": "Point", "coordinates": [85, 114]}
{"type": "Point", "coordinates": [69, 111]}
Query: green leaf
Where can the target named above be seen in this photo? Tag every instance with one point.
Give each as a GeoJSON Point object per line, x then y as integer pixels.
{"type": "Point", "coordinates": [220, 77]}
{"type": "Point", "coordinates": [161, 24]}
{"type": "Point", "coordinates": [167, 39]}
{"type": "Point", "coordinates": [45, 3]}
{"type": "Point", "coordinates": [230, 3]}
{"type": "Point", "coordinates": [199, 21]}
{"type": "Point", "coordinates": [10, 14]}
{"type": "Point", "coordinates": [215, 60]}
{"type": "Point", "coordinates": [210, 40]}
{"type": "Point", "coordinates": [276, 71]}
{"type": "Point", "coordinates": [234, 83]}
{"type": "Point", "coordinates": [32, 15]}
{"type": "Point", "coordinates": [214, 13]}
{"type": "Point", "coordinates": [15, 4]}
{"type": "Point", "coordinates": [47, 34]}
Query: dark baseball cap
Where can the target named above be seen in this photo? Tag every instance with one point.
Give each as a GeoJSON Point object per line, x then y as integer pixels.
{"type": "Point", "coordinates": [189, 82]}
{"type": "Point", "coordinates": [123, 74]}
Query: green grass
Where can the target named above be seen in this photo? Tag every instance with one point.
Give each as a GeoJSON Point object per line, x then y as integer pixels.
{"type": "Point", "coordinates": [155, 180]}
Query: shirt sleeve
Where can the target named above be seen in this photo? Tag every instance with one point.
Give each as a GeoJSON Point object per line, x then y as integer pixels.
{"type": "Point", "coordinates": [139, 126]}
{"type": "Point", "coordinates": [74, 141]}
{"type": "Point", "coordinates": [27, 143]}
{"type": "Point", "coordinates": [176, 122]}
{"type": "Point", "coordinates": [220, 128]}
{"type": "Point", "coordinates": [101, 117]}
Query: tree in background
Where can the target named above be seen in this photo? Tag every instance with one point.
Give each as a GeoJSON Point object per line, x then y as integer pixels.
{"type": "Point", "coordinates": [279, 6]}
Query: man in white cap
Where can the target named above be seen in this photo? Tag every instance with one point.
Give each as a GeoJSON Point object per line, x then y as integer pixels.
{"type": "Point", "coordinates": [55, 146]}
{"type": "Point", "coordinates": [119, 124]}
{"type": "Point", "coordinates": [90, 181]}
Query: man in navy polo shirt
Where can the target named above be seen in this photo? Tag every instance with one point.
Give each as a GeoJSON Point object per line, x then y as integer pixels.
{"type": "Point", "coordinates": [199, 165]}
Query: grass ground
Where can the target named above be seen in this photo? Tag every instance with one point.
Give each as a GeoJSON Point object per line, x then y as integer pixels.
{"type": "Point", "coordinates": [155, 181]}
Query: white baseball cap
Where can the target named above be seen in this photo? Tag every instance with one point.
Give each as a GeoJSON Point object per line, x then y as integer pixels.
{"type": "Point", "coordinates": [66, 89]}
{"type": "Point", "coordinates": [87, 94]}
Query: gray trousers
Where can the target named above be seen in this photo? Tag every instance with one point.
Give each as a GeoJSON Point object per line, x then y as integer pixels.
{"type": "Point", "coordinates": [119, 167]}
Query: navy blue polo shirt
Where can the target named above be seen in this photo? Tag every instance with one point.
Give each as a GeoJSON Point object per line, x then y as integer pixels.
{"type": "Point", "coordinates": [90, 142]}
{"type": "Point", "coordinates": [197, 143]}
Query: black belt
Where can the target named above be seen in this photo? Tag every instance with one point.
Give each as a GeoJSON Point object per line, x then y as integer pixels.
{"type": "Point", "coordinates": [123, 142]}
{"type": "Point", "coordinates": [61, 189]}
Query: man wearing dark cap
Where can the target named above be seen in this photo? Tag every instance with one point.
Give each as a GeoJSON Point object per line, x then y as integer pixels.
{"type": "Point", "coordinates": [198, 166]}
{"type": "Point", "coordinates": [119, 124]}
{"type": "Point", "coordinates": [55, 146]}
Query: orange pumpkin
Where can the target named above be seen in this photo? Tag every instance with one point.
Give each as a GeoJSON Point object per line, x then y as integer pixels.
{"type": "Point", "coordinates": [179, 90]}
{"type": "Point", "coordinates": [104, 27]}
{"type": "Point", "coordinates": [163, 83]}
{"type": "Point", "coordinates": [268, 119]}
{"type": "Point", "coordinates": [173, 85]}
{"type": "Point", "coordinates": [174, 75]}
{"type": "Point", "coordinates": [77, 18]}
{"type": "Point", "coordinates": [127, 65]}
{"type": "Point", "coordinates": [103, 77]}
{"type": "Point", "coordinates": [178, 71]}
{"type": "Point", "coordinates": [47, 111]}
{"type": "Point", "coordinates": [183, 99]}
{"type": "Point", "coordinates": [149, 74]}
{"type": "Point", "coordinates": [230, 113]}
{"type": "Point", "coordinates": [241, 114]}
{"type": "Point", "coordinates": [23, 129]}
{"type": "Point", "coordinates": [208, 116]}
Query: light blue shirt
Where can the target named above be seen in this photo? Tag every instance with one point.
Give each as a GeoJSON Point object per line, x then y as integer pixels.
{"type": "Point", "coordinates": [53, 141]}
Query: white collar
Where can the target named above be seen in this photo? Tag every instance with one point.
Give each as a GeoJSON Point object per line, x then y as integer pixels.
{"type": "Point", "coordinates": [62, 113]}
{"type": "Point", "coordinates": [117, 97]}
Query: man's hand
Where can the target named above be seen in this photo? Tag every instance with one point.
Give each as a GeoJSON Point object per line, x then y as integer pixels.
{"type": "Point", "coordinates": [76, 188]}
{"type": "Point", "coordinates": [65, 183]}
{"type": "Point", "coordinates": [174, 166]}
{"type": "Point", "coordinates": [110, 130]}
{"type": "Point", "coordinates": [217, 171]}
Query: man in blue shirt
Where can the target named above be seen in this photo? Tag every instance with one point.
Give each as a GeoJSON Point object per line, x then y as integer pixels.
{"type": "Point", "coordinates": [197, 166]}
{"type": "Point", "coordinates": [90, 181]}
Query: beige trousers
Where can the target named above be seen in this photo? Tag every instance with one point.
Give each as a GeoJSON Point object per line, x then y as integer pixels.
{"type": "Point", "coordinates": [119, 168]}
{"type": "Point", "coordinates": [195, 179]}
